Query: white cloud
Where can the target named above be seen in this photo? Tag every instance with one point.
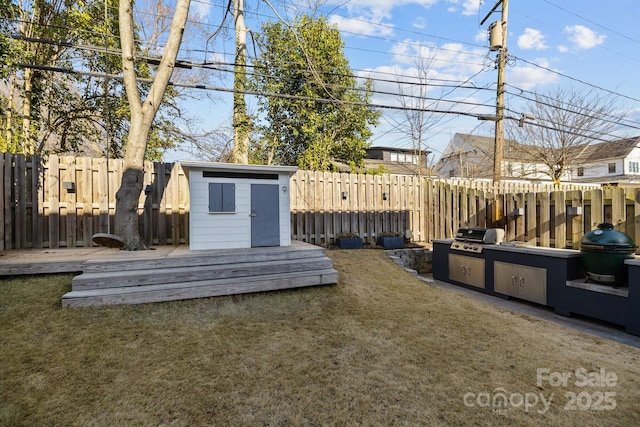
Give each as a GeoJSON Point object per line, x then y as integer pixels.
{"type": "Point", "coordinates": [200, 9]}
{"type": "Point", "coordinates": [469, 7]}
{"type": "Point", "coordinates": [381, 7]}
{"type": "Point", "coordinates": [563, 49]}
{"type": "Point", "coordinates": [420, 23]}
{"type": "Point", "coordinates": [454, 60]}
{"type": "Point", "coordinates": [531, 39]}
{"type": "Point", "coordinates": [482, 36]}
{"type": "Point", "coordinates": [583, 37]}
{"type": "Point", "coordinates": [528, 77]}
{"type": "Point", "coordinates": [362, 25]}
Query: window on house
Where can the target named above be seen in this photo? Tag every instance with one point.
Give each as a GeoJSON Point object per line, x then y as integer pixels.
{"type": "Point", "coordinates": [634, 167]}
{"type": "Point", "coordinates": [222, 197]}
{"type": "Point", "coordinates": [402, 158]}
{"type": "Point", "coordinates": [452, 173]}
{"type": "Point", "coordinates": [612, 168]}
{"type": "Point", "coordinates": [580, 171]}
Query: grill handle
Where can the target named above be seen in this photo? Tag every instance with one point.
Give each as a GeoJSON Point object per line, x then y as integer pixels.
{"type": "Point", "coordinates": [611, 248]}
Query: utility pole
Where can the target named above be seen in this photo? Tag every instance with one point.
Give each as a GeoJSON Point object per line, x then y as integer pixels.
{"type": "Point", "coordinates": [498, 41]}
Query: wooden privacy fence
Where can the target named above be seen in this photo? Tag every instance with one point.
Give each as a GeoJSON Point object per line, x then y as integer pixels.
{"type": "Point", "coordinates": [56, 201]}
{"type": "Point", "coordinates": [52, 202]}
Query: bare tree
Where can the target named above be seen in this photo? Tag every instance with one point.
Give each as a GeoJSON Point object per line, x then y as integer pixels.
{"type": "Point", "coordinates": [556, 127]}
{"type": "Point", "coordinates": [417, 116]}
{"type": "Point", "coordinates": [142, 115]}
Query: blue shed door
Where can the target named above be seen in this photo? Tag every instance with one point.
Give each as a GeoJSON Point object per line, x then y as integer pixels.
{"type": "Point", "coordinates": [265, 215]}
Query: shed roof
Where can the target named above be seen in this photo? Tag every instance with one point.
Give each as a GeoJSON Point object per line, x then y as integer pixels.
{"type": "Point", "coordinates": [237, 167]}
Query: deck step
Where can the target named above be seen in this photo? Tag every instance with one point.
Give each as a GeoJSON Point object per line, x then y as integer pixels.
{"type": "Point", "coordinates": [198, 289]}
{"type": "Point", "coordinates": [169, 273]}
{"type": "Point", "coordinates": [123, 260]}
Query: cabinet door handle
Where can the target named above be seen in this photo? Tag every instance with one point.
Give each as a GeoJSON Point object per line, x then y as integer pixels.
{"type": "Point", "coordinates": [463, 270]}
{"type": "Point", "coordinates": [514, 280]}
{"type": "Point", "coordinates": [468, 270]}
{"type": "Point", "coordinates": [522, 282]}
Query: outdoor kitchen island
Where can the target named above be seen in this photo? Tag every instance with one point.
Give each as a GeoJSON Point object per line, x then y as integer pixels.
{"type": "Point", "coordinates": [546, 276]}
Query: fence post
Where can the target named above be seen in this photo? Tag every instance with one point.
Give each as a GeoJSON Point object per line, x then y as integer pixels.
{"type": "Point", "coordinates": [20, 215]}
{"type": "Point", "coordinates": [619, 209]}
{"type": "Point", "coordinates": [544, 222]}
{"type": "Point", "coordinates": [559, 219]}
{"type": "Point", "coordinates": [577, 220]}
{"type": "Point", "coordinates": [5, 201]}
{"type": "Point", "coordinates": [531, 220]}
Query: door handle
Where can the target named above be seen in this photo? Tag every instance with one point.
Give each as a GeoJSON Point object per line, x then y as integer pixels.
{"type": "Point", "coordinates": [522, 282]}
{"type": "Point", "coordinates": [514, 280]}
{"type": "Point", "coordinates": [253, 212]}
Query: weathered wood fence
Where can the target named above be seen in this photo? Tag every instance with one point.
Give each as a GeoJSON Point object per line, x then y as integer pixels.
{"type": "Point", "coordinates": [52, 202]}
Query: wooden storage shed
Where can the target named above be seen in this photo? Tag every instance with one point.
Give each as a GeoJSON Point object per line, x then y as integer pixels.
{"type": "Point", "coordinates": [238, 206]}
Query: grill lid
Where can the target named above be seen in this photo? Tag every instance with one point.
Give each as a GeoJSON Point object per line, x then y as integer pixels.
{"type": "Point", "coordinates": [607, 239]}
{"type": "Point", "coordinates": [480, 235]}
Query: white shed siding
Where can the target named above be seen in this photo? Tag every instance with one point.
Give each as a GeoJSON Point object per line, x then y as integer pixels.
{"type": "Point", "coordinates": [285, 210]}
{"type": "Point", "coordinates": [218, 230]}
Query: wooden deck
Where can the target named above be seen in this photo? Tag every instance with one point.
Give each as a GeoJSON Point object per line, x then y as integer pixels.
{"type": "Point", "coordinates": [111, 276]}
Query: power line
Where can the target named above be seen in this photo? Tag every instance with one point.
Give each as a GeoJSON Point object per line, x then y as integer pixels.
{"type": "Point", "coordinates": [248, 92]}
{"type": "Point", "coordinates": [190, 65]}
{"type": "Point", "coordinates": [558, 101]}
{"type": "Point", "coordinates": [575, 79]}
{"type": "Point", "coordinates": [592, 22]}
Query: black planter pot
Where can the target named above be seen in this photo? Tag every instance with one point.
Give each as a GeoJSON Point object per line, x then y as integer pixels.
{"type": "Point", "coordinates": [349, 243]}
{"type": "Point", "coordinates": [391, 242]}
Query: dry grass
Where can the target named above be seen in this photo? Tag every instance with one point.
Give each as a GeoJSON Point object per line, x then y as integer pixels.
{"type": "Point", "coordinates": [379, 348]}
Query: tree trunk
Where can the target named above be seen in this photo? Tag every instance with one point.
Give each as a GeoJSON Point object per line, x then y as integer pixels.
{"type": "Point", "coordinates": [27, 136]}
{"type": "Point", "coordinates": [240, 118]}
{"type": "Point", "coordinates": [128, 196]}
{"type": "Point", "coordinates": [142, 115]}
{"type": "Point", "coordinates": [10, 109]}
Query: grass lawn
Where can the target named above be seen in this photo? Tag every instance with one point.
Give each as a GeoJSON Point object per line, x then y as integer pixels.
{"type": "Point", "coordinates": [379, 348]}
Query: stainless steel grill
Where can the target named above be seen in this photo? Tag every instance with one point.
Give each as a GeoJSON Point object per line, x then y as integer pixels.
{"type": "Point", "coordinates": [473, 239]}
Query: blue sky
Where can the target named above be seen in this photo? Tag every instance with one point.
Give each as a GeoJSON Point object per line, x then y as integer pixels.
{"type": "Point", "coordinates": [585, 45]}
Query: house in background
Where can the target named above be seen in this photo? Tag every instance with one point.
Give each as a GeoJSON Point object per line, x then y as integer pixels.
{"type": "Point", "coordinates": [398, 161]}
{"type": "Point", "coordinates": [395, 161]}
{"type": "Point", "coordinates": [614, 162]}
{"type": "Point", "coordinates": [470, 156]}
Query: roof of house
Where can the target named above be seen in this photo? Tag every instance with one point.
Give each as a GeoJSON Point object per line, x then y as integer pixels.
{"type": "Point", "coordinates": [396, 149]}
{"type": "Point", "coordinates": [617, 149]}
{"type": "Point", "coordinates": [394, 168]}
{"type": "Point", "coordinates": [485, 145]}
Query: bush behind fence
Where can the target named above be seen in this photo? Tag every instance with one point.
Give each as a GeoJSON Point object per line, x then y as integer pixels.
{"type": "Point", "coordinates": [61, 201]}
